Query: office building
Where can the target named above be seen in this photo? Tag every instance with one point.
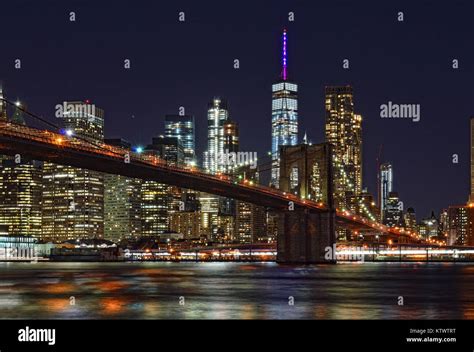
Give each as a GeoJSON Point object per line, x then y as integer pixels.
{"type": "Point", "coordinates": [73, 198]}
{"type": "Point", "coordinates": [217, 117]}
{"type": "Point", "coordinates": [385, 184]}
{"type": "Point", "coordinates": [284, 113]}
{"type": "Point", "coordinates": [394, 211]}
{"type": "Point", "coordinates": [344, 132]}
{"type": "Point", "coordinates": [182, 127]}
{"type": "Point", "coordinates": [21, 197]}
{"type": "Point", "coordinates": [460, 229]}
{"type": "Point", "coordinates": [122, 203]}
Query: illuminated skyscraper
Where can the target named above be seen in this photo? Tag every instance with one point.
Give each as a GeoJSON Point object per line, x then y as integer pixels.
{"type": "Point", "coordinates": [169, 149]}
{"type": "Point", "coordinates": [158, 200]}
{"type": "Point", "coordinates": [217, 116]}
{"type": "Point", "coordinates": [122, 203]}
{"type": "Point", "coordinates": [209, 214]}
{"type": "Point", "coordinates": [249, 218]}
{"type": "Point", "coordinates": [73, 198]}
{"type": "Point", "coordinates": [461, 225]}
{"type": "Point", "coordinates": [186, 222]}
{"type": "Point", "coordinates": [471, 198]}
{"type": "Point", "coordinates": [344, 131]}
{"type": "Point", "coordinates": [84, 120]}
{"type": "Point", "coordinates": [182, 127]}
{"type": "Point", "coordinates": [231, 136]}
{"type": "Point", "coordinates": [3, 106]}
{"type": "Point", "coordinates": [222, 138]}
{"type": "Point", "coordinates": [154, 204]}
{"type": "Point", "coordinates": [20, 187]}
{"type": "Point", "coordinates": [386, 186]}
{"type": "Point", "coordinates": [393, 213]}
{"type": "Point", "coordinates": [284, 114]}
{"type": "Point", "coordinates": [20, 197]}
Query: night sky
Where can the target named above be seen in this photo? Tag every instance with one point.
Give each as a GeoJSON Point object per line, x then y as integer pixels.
{"type": "Point", "coordinates": [185, 64]}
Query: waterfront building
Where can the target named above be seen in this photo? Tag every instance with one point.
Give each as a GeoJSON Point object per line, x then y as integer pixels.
{"type": "Point", "coordinates": [73, 198]}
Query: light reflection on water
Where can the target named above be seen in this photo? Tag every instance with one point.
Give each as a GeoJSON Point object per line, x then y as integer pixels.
{"type": "Point", "coordinates": [236, 291]}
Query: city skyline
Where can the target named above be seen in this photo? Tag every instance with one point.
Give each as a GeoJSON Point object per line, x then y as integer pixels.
{"type": "Point", "coordinates": [258, 51]}
{"type": "Point", "coordinates": [201, 162]}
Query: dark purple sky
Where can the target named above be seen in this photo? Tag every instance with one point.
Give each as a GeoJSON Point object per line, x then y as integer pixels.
{"type": "Point", "coordinates": [185, 64]}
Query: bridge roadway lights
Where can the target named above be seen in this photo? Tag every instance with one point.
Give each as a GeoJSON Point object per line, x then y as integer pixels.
{"type": "Point", "coordinates": [304, 236]}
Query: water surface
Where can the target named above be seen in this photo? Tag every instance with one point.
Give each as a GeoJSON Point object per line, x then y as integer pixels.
{"type": "Point", "coordinates": [236, 291]}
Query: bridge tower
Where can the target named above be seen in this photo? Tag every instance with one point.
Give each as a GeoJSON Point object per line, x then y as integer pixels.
{"type": "Point", "coordinates": [306, 236]}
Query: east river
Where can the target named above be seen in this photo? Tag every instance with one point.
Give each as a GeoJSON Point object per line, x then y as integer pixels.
{"type": "Point", "coordinates": [162, 290]}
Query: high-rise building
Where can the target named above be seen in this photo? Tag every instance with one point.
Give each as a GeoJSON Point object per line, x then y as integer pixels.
{"type": "Point", "coordinates": [209, 214]}
{"type": "Point", "coordinates": [222, 139]}
{"type": "Point", "coordinates": [225, 228]}
{"type": "Point", "coordinates": [20, 187]}
{"type": "Point", "coordinates": [284, 114]}
{"type": "Point", "coordinates": [187, 223]}
{"type": "Point", "coordinates": [73, 198]}
{"type": "Point", "coordinates": [182, 128]}
{"type": "Point", "coordinates": [394, 211]}
{"type": "Point", "coordinates": [122, 207]}
{"type": "Point", "coordinates": [471, 198]}
{"type": "Point", "coordinates": [385, 184]}
{"type": "Point", "coordinates": [444, 222]}
{"type": "Point", "coordinates": [460, 225]}
{"type": "Point", "coordinates": [410, 219]}
{"type": "Point", "coordinates": [156, 197]}
{"type": "Point", "coordinates": [20, 197]}
{"type": "Point", "coordinates": [249, 222]}
{"type": "Point", "coordinates": [183, 200]}
{"type": "Point", "coordinates": [344, 131]}
{"type": "Point", "coordinates": [429, 227]}
{"type": "Point", "coordinates": [84, 120]}
{"type": "Point", "coordinates": [154, 205]}
{"type": "Point", "coordinates": [3, 106]}
{"type": "Point", "coordinates": [122, 203]}
{"type": "Point", "coordinates": [231, 136]}
{"type": "Point", "coordinates": [169, 149]}
{"type": "Point", "coordinates": [3, 114]}
{"type": "Point", "coordinates": [249, 218]}
{"type": "Point", "coordinates": [217, 117]}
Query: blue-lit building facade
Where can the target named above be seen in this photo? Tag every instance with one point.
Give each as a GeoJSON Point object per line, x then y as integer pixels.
{"type": "Point", "coordinates": [182, 128]}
